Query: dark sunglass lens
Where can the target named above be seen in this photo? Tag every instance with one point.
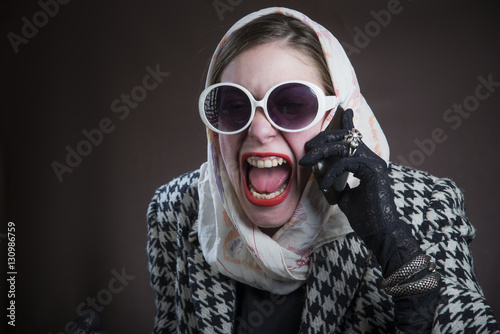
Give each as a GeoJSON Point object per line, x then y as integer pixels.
{"type": "Point", "coordinates": [292, 106]}
{"type": "Point", "coordinates": [227, 108]}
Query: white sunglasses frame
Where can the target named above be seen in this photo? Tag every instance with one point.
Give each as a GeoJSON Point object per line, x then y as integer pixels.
{"type": "Point", "coordinates": [325, 103]}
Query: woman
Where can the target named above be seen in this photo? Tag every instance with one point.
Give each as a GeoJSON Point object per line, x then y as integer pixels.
{"type": "Point", "coordinates": [250, 243]}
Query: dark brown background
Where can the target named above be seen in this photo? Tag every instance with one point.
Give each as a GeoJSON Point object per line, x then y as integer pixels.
{"type": "Point", "coordinates": [72, 234]}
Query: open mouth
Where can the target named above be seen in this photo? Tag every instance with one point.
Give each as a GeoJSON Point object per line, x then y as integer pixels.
{"type": "Point", "coordinates": [266, 178]}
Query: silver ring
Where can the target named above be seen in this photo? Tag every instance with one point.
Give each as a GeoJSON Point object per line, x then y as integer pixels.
{"type": "Point", "coordinates": [353, 138]}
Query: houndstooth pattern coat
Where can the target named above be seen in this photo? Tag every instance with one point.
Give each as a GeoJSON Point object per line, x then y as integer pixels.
{"type": "Point", "coordinates": [343, 293]}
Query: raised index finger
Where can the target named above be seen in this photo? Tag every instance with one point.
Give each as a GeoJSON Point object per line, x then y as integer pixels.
{"type": "Point", "coordinates": [347, 119]}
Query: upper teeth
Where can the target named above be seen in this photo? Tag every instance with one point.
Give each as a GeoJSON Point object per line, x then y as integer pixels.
{"type": "Point", "coordinates": [267, 163]}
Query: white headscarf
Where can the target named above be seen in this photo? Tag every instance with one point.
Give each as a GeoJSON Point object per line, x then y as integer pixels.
{"type": "Point", "coordinates": [236, 247]}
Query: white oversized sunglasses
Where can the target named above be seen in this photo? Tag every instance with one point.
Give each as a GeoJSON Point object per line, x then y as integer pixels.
{"type": "Point", "coordinates": [290, 106]}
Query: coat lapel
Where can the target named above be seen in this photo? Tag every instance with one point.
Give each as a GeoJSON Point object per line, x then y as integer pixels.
{"type": "Point", "coordinates": [214, 295]}
{"type": "Point", "coordinates": [336, 274]}
{"type": "Point", "coordinates": [337, 271]}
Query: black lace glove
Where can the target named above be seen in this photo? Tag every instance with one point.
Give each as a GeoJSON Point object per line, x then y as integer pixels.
{"type": "Point", "coordinates": [370, 206]}
{"type": "Point", "coordinates": [85, 324]}
{"type": "Point", "coordinates": [373, 216]}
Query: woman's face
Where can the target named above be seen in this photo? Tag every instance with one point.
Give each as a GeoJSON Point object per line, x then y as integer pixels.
{"type": "Point", "coordinates": [248, 155]}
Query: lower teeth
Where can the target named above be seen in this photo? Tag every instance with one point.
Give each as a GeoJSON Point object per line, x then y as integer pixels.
{"type": "Point", "coordinates": [267, 196]}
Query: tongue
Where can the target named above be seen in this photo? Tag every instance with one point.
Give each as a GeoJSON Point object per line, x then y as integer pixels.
{"type": "Point", "coordinates": [268, 180]}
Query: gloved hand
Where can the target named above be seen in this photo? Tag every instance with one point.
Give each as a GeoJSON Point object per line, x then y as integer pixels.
{"type": "Point", "coordinates": [372, 213]}
{"type": "Point", "coordinates": [370, 206]}
{"type": "Point", "coordinates": [85, 324]}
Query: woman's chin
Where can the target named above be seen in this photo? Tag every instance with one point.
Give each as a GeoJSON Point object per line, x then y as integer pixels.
{"type": "Point", "coordinates": [273, 217]}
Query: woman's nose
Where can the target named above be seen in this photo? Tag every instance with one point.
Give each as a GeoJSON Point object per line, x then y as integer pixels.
{"type": "Point", "coordinates": [261, 129]}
